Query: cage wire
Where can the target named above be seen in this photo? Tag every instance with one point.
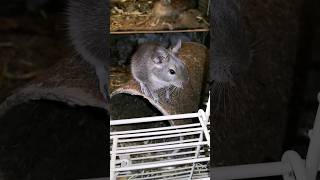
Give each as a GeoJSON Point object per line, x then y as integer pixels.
{"type": "Point", "coordinates": [168, 153]}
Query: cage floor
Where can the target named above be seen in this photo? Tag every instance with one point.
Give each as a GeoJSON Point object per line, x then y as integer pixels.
{"type": "Point", "coordinates": [169, 152]}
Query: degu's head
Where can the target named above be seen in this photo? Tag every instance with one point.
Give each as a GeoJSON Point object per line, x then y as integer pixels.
{"type": "Point", "coordinates": [169, 69]}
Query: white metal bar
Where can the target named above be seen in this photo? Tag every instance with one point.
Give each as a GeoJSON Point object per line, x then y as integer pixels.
{"type": "Point", "coordinates": [155, 129]}
{"type": "Point", "coordinates": [203, 179]}
{"type": "Point", "coordinates": [158, 151]}
{"type": "Point", "coordinates": [162, 156]}
{"type": "Point", "coordinates": [164, 147]}
{"type": "Point", "coordinates": [177, 178]}
{"type": "Point", "coordinates": [164, 161]}
{"type": "Point", "coordinates": [196, 155]}
{"type": "Point", "coordinates": [157, 172]}
{"type": "Point", "coordinates": [203, 120]}
{"type": "Point", "coordinates": [208, 106]}
{"type": "Point", "coordinates": [152, 151]}
{"type": "Point", "coordinates": [162, 176]}
{"type": "Point", "coordinates": [201, 170]}
{"type": "Point", "coordinates": [156, 133]}
{"type": "Point", "coordinates": [159, 137]}
{"type": "Point", "coordinates": [192, 148]}
{"type": "Point", "coordinates": [113, 159]}
{"type": "Point", "coordinates": [175, 163]}
{"type": "Point", "coordinates": [203, 175]}
{"type": "Point", "coordinates": [313, 155]}
{"type": "Point", "coordinates": [166, 155]}
{"type": "Point", "coordinates": [250, 171]}
{"type": "Point", "coordinates": [190, 151]}
{"type": "Point", "coordinates": [153, 119]}
{"type": "Point", "coordinates": [158, 144]}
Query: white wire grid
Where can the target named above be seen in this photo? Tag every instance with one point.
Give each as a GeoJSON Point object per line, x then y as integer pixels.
{"type": "Point", "coordinates": [179, 152]}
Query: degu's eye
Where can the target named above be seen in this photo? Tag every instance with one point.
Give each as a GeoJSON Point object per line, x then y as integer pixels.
{"type": "Point", "coordinates": [171, 71]}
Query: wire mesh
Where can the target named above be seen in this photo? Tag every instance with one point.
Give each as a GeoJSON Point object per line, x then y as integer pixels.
{"type": "Point", "coordinates": [170, 152]}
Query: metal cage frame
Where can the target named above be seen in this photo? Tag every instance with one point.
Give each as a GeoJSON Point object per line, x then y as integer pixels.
{"type": "Point", "coordinates": [291, 166]}
{"type": "Point", "coordinates": [184, 158]}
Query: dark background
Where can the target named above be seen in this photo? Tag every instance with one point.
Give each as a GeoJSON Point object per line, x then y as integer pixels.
{"type": "Point", "coordinates": [44, 139]}
{"type": "Point", "coordinates": [33, 38]}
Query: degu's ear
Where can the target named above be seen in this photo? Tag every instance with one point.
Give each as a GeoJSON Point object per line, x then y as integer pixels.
{"type": "Point", "coordinates": [176, 48]}
{"type": "Point", "coordinates": [159, 56]}
{"type": "Point", "coordinates": [156, 60]}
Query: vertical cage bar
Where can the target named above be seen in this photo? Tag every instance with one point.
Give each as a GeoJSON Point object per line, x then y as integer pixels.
{"type": "Point", "coordinates": [313, 155]}
{"type": "Point", "coordinates": [196, 155]}
{"type": "Point", "coordinates": [208, 108]}
{"type": "Point", "coordinates": [113, 159]}
{"type": "Point", "coordinates": [203, 119]}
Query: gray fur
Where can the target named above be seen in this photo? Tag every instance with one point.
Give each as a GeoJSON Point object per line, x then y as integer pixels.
{"type": "Point", "coordinates": [88, 30]}
{"type": "Point", "coordinates": [151, 64]}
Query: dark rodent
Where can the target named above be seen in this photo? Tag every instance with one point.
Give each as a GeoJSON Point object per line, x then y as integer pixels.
{"type": "Point", "coordinates": [229, 45]}
{"type": "Point", "coordinates": [88, 29]}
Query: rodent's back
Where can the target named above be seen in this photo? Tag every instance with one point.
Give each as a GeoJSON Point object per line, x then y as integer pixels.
{"type": "Point", "coordinates": [88, 29]}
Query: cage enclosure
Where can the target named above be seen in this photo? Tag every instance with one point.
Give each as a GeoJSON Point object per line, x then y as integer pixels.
{"type": "Point", "coordinates": [163, 144]}
{"type": "Point", "coordinates": [130, 26]}
{"type": "Point", "coordinates": [173, 152]}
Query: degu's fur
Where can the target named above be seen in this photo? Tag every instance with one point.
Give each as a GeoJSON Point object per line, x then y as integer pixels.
{"type": "Point", "coordinates": [154, 67]}
{"type": "Point", "coordinates": [88, 30]}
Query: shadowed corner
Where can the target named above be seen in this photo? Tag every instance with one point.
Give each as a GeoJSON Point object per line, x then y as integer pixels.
{"type": "Point", "coordinates": [63, 121]}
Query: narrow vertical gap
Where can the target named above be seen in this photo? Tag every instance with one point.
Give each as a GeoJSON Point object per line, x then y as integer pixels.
{"type": "Point", "coordinates": [108, 71]}
{"type": "Point", "coordinates": [303, 62]}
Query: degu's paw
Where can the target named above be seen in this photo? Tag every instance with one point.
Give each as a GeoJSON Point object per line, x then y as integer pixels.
{"type": "Point", "coordinates": [144, 89]}
{"type": "Point", "coordinates": [149, 93]}
{"type": "Point", "coordinates": [155, 96]}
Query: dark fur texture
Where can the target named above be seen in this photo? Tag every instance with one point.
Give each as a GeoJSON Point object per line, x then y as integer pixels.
{"type": "Point", "coordinates": [230, 59]}
{"type": "Point", "coordinates": [88, 24]}
{"type": "Point", "coordinates": [229, 45]}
